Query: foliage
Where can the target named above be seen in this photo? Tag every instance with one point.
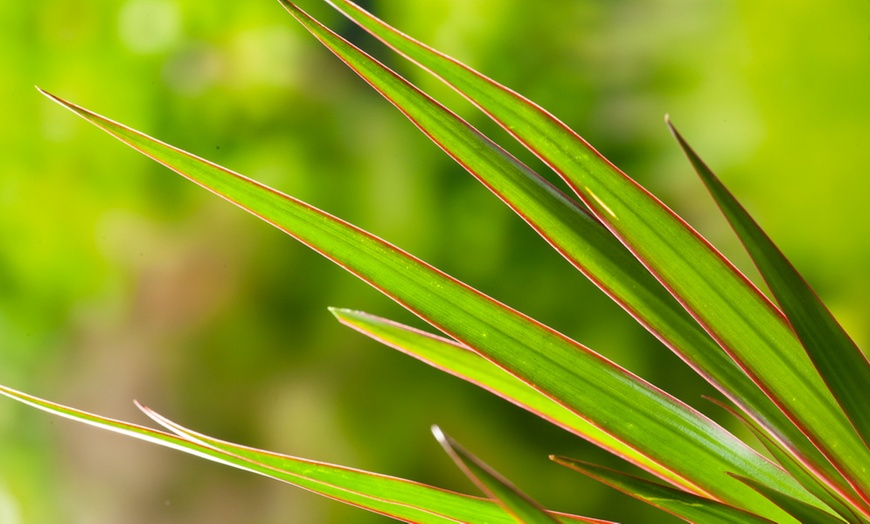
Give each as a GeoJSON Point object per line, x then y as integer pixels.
{"type": "Point", "coordinates": [805, 405]}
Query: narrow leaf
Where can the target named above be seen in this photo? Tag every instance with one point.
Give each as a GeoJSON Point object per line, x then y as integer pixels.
{"type": "Point", "coordinates": [458, 360]}
{"type": "Point", "coordinates": [686, 506]}
{"type": "Point", "coordinates": [416, 495]}
{"type": "Point", "coordinates": [843, 501]}
{"type": "Point", "coordinates": [735, 313]}
{"type": "Point", "coordinates": [804, 513]}
{"type": "Point", "coordinates": [388, 496]}
{"type": "Point", "coordinates": [633, 411]}
{"type": "Point", "coordinates": [584, 241]}
{"type": "Point", "coordinates": [841, 364]}
{"type": "Point", "coordinates": [521, 506]}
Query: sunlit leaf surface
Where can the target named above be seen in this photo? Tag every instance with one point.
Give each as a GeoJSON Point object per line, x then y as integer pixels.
{"type": "Point", "coordinates": [804, 513]}
{"type": "Point", "coordinates": [524, 509]}
{"type": "Point", "coordinates": [844, 501]}
{"type": "Point", "coordinates": [730, 308]}
{"type": "Point", "coordinates": [567, 226]}
{"type": "Point", "coordinates": [688, 507]}
{"type": "Point", "coordinates": [842, 365]}
{"type": "Point", "coordinates": [388, 496]}
{"type": "Point", "coordinates": [637, 414]}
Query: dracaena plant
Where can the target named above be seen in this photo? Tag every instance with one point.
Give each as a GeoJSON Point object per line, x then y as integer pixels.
{"type": "Point", "coordinates": [783, 365]}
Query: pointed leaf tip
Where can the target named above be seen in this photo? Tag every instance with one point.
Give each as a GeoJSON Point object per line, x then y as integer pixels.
{"type": "Point", "coordinates": [684, 505]}
{"type": "Point", "coordinates": [438, 433]}
{"type": "Point", "coordinates": [52, 97]}
{"type": "Point", "coordinates": [522, 507]}
{"type": "Point", "coordinates": [836, 359]}
{"type": "Point", "coordinates": [801, 511]}
{"type": "Point", "coordinates": [543, 133]}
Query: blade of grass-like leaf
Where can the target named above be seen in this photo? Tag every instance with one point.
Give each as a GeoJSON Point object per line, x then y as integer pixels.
{"type": "Point", "coordinates": [393, 497]}
{"type": "Point", "coordinates": [404, 492]}
{"type": "Point", "coordinates": [633, 411]}
{"type": "Point", "coordinates": [804, 513]}
{"type": "Point", "coordinates": [521, 506]}
{"type": "Point", "coordinates": [729, 307]}
{"type": "Point", "coordinates": [841, 364]}
{"type": "Point", "coordinates": [464, 363]}
{"type": "Point", "coordinates": [458, 360]}
{"type": "Point", "coordinates": [686, 506]}
{"type": "Point", "coordinates": [807, 476]}
{"type": "Point", "coordinates": [584, 241]}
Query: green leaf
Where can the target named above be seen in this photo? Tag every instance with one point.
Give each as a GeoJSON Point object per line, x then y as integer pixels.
{"type": "Point", "coordinates": [686, 506]}
{"type": "Point", "coordinates": [584, 241]}
{"type": "Point", "coordinates": [463, 363]}
{"type": "Point", "coordinates": [388, 496]}
{"type": "Point", "coordinates": [417, 495]}
{"type": "Point", "coordinates": [637, 414]}
{"type": "Point", "coordinates": [514, 501]}
{"type": "Point", "coordinates": [843, 500]}
{"type": "Point", "coordinates": [841, 364]}
{"type": "Point", "coordinates": [804, 513]}
{"type": "Point", "coordinates": [458, 360]}
{"type": "Point", "coordinates": [735, 313]}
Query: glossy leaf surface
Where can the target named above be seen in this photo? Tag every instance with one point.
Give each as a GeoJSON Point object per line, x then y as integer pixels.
{"type": "Point", "coordinates": [804, 513]}
{"type": "Point", "coordinates": [584, 241]}
{"type": "Point", "coordinates": [521, 506]}
{"type": "Point", "coordinates": [842, 365]}
{"type": "Point", "coordinates": [458, 360]}
{"type": "Point", "coordinates": [686, 506]}
{"type": "Point", "coordinates": [634, 412]}
{"type": "Point", "coordinates": [733, 311]}
{"type": "Point", "coordinates": [388, 496]}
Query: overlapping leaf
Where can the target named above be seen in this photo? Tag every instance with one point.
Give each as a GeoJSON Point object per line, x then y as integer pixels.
{"type": "Point", "coordinates": [733, 311]}
{"type": "Point", "coordinates": [464, 363]}
{"type": "Point", "coordinates": [585, 242]}
{"type": "Point", "coordinates": [521, 506]}
{"type": "Point", "coordinates": [416, 495]}
{"type": "Point", "coordinates": [845, 506]}
{"type": "Point", "coordinates": [637, 414]}
{"type": "Point", "coordinates": [393, 497]}
{"type": "Point", "coordinates": [841, 364]}
{"type": "Point", "coordinates": [804, 513]}
{"type": "Point", "coordinates": [460, 361]}
{"type": "Point", "coordinates": [688, 507]}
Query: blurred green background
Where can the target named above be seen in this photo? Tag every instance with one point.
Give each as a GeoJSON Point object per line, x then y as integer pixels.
{"type": "Point", "coordinates": [121, 281]}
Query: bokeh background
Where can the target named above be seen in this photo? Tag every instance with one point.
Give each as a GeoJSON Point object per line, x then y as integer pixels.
{"type": "Point", "coordinates": [121, 281]}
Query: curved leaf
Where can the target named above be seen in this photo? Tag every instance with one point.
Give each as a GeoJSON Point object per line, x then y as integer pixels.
{"type": "Point", "coordinates": [633, 411]}
{"type": "Point", "coordinates": [735, 313]}
{"type": "Point", "coordinates": [843, 503]}
{"type": "Point", "coordinates": [521, 506]}
{"type": "Point", "coordinates": [841, 364]}
{"type": "Point", "coordinates": [686, 506]}
{"type": "Point", "coordinates": [393, 497]}
{"type": "Point", "coordinates": [804, 513]}
{"type": "Point", "coordinates": [458, 360]}
{"type": "Point", "coordinates": [584, 241]}
{"type": "Point", "coordinates": [432, 500]}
